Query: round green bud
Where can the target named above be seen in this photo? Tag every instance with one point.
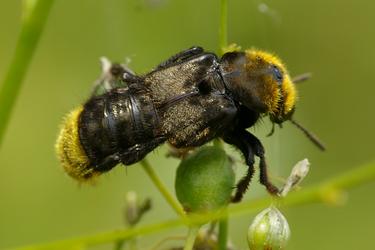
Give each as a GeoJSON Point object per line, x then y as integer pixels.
{"type": "Point", "coordinates": [269, 231]}
{"type": "Point", "coordinates": [205, 180]}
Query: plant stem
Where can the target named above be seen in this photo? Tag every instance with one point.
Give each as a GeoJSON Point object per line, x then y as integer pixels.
{"type": "Point", "coordinates": [133, 244]}
{"type": "Point", "coordinates": [316, 193]}
{"type": "Point", "coordinates": [223, 42]}
{"type": "Point", "coordinates": [192, 234]}
{"type": "Point", "coordinates": [223, 32]}
{"type": "Point", "coordinates": [162, 188]}
{"type": "Point", "coordinates": [106, 237]}
{"type": "Point", "coordinates": [223, 233]}
{"type": "Point", "coordinates": [119, 245]}
{"type": "Point", "coordinates": [35, 18]}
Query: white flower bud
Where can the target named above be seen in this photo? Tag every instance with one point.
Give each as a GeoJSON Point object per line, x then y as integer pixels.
{"type": "Point", "coordinates": [299, 172]}
{"type": "Point", "coordinates": [131, 209]}
{"type": "Point", "coordinates": [269, 231]}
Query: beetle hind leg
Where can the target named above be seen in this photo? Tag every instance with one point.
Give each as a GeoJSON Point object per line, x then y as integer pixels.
{"type": "Point", "coordinates": [114, 75]}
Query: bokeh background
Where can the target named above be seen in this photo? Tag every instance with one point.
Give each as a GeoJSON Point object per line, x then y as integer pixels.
{"type": "Point", "coordinates": [333, 39]}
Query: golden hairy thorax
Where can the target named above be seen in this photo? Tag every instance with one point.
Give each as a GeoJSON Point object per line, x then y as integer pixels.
{"type": "Point", "coordinates": [259, 59]}
{"type": "Point", "coordinates": [69, 149]}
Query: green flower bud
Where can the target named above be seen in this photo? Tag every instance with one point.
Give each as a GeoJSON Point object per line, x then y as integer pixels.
{"type": "Point", "coordinates": [269, 231]}
{"type": "Point", "coordinates": [205, 180]}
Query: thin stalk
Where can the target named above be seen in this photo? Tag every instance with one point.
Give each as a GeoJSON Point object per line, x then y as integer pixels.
{"type": "Point", "coordinates": [223, 32]}
{"type": "Point", "coordinates": [223, 233]}
{"type": "Point", "coordinates": [107, 237]}
{"type": "Point", "coordinates": [133, 244]}
{"type": "Point", "coordinates": [35, 18]}
{"type": "Point", "coordinates": [119, 245]}
{"type": "Point", "coordinates": [223, 42]}
{"type": "Point", "coordinates": [317, 193]}
{"type": "Point", "coordinates": [162, 188]}
{"type": "Point", "coordinates": [192, 235]}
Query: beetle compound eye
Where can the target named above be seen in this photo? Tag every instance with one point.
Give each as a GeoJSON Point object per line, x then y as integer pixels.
{"type": "Point", "coordinates": [278, 75]}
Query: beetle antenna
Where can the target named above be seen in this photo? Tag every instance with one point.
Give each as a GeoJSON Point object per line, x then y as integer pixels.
{"type": "Point", "coordinates": [272, 130]}
{"type": "Point", "coordinates": [313, 138]}
{"type": "Point", "coordinates": [302, 77]}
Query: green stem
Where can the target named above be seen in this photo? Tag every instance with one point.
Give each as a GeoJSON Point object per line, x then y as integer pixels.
{"type": "Point", "coordinates": [223, 41]}
{"type": "Point", "coordinates": [133, 244]}
{"type": "Point", "coordinates": [223, 233]}
{"type": "Point", "coordinates": [192, 234]}
{"type": "Point", "coordinates": [223, 32]}
{"type": "Point", "coordinates": [317, 193]}
{"type": "Point", "coordinates": [119, 244]}
{"type": "Point", "coordinates": [162, 188]}
{"type": "Point", "coordinates": [107, 237]}
{"type": "Point", "coordinates": [35, 18]}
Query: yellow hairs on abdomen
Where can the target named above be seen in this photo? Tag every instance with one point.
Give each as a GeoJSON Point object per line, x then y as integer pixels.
{"type": "Point", "coordinates": [69, 148]}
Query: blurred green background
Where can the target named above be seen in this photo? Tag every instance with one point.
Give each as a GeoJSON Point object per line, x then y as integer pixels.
{"type": "Point", "coordinates": [333, 39]}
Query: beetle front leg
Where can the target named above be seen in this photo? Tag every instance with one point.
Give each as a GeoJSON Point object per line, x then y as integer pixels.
{"type": "Point", "coordinates": [259, 151]}
{"type": "Point", "coordinates": [249, 145]}
{"type": "Point", "coordinates": [247, 151]}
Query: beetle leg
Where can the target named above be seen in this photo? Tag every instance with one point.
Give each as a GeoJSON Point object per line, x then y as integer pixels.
{"type": "Point", "coordinates": [129, 156]}
{"type": "Point", "coordinates": [139, 151]}
{"type": "Point", "coordinates": [114, 75]}
{"type": "Point", "coordinates": [108, 163]}
{"type": "Point", "coordinates": [248, 153]}
{"type": "Point", "coordinates": [180, 57]}
{"type": "Point", "coordinates": [249, 145]}
{"type": "Point", "coordinates": [259, 151]}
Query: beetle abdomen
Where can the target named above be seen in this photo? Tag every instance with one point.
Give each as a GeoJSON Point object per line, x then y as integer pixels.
{"type": "Point", "coordinates": [118, 126]}
{"type": "Point", "coordinates": [107, 126]}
